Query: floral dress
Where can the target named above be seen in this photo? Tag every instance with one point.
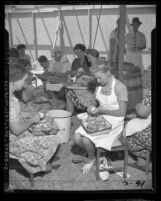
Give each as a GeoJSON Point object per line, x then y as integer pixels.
{"type": "Point", "coordinates": [81, 99]}
{"type": "Point", "coordinates": [33, 152]}
{"type": "Point", "coordinates": [140, 141]}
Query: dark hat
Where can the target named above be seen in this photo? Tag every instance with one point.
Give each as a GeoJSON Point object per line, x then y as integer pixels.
{"type": "Point", "coordinates": [135, 20]}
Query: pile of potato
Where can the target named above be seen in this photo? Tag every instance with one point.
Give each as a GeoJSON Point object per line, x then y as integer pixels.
{"type": "Point", "coordinates": [95, 124]}
{"type": "Point", "coordinates": [47, 125]}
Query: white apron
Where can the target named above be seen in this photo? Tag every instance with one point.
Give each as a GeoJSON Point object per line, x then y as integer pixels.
{"type": "Point", "coordinates": [136, 125]}
{"type": "Point", "coordinates": [109, 102]}
{"type": "Point", "coordinates": [134, 58]}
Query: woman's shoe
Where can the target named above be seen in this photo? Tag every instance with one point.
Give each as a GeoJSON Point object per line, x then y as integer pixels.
{"type": "Point", "coordinates": [78, 159]}
{"type": "Point", "coordinates": [104, 165]}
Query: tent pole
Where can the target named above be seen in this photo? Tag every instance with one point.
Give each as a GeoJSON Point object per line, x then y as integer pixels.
{"type": "Point", "coordinates": [90, 27]}
{"type": "Point", "coordinates": [35, 35]}
{"type": "Point", "coordinates": [121, 41]}
{"type": "Point", "coordinates": [61, 30]}
{"type": "Point", "coordinates": [10, 30]}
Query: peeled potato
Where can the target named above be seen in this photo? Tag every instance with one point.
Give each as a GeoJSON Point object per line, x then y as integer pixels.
{"type": "Point", "coordinates": [94, 124]}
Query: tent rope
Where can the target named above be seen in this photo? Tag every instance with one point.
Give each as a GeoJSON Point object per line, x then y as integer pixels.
{"type": "Point", "coordinates": [97, 26]}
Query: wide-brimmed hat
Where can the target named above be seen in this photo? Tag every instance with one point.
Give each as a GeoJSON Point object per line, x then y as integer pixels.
{"type": "Point", "coordinates": [135, 20]}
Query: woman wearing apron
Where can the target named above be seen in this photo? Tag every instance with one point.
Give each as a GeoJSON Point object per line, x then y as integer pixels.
{"type": "Point", "coordinates": [112, 97]}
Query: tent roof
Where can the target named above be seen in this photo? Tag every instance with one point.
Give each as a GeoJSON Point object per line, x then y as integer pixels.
{"type": "Point", "coordinates": [50, 8]}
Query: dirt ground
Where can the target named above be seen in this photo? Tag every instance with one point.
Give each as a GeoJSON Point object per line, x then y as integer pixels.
{"type": "Point", "coordinates": [69, 176]}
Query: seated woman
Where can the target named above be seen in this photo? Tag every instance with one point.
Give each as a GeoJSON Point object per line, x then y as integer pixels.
{"type": "Point", "coordinates": [93, 57]}
{"type": "Point", "coordinates": [81, 63]}
{"type": "Point", "coordinates": [138, 130]}
{"type": "Point", "coordinates": [59, 63]}
{"type": "Point", "coordinates": [81, 99]}
{"type": "Point", "coordinates": [112, 97]}
{"type": "Point", "coordinates": [33, 152]}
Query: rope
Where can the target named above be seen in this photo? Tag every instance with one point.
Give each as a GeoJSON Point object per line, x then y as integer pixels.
{"type": "Point", "coordinates": [97, 26]}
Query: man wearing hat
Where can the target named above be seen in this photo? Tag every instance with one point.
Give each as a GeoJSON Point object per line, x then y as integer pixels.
{"type": "Point", "coordinates": [136, 42]}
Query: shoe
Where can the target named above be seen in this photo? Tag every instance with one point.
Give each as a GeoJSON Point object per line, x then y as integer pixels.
{"type": "Point", "coordinates": [139, 167]}
{"type": "Point", "coordinates": [55, 167]}
{"type": "Point", "coordinates": [121, 174]}
{"type": "Point", "coordinates": [78, 159]}
{"type": "Point", "coordinates": [103, 165]}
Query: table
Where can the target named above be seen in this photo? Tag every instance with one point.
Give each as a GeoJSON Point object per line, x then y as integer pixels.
{"type": "Point", "coordinates": [76, 87]}
{"type": "Point", "coordinates": [54, 87]}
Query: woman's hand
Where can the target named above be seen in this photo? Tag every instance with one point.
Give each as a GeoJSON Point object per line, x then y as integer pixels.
{"type": "Point", "coordinates": [90, 108]}
{"type": "Point", "coordinates": [79, 72]}
{"type": "Point", "coordinates": [93, 111]}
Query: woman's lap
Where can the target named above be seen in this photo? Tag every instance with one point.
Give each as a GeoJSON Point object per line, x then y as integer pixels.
{"type": "Point", "coordinates": [34, 149]}
{"type": "Point", "coordinates": [139, 142]}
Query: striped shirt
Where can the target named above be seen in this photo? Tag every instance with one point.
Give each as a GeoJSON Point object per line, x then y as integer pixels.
{"type": "Point", "coordinates": [133, 40]}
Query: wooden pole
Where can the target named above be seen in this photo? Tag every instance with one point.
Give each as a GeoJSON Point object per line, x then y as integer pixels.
{"type": "Point", "coordinates": [121, 41]}
{"type": "Point", "coordinates": [90, 27]}
{"type": "Point", "coordinates": [10, 30]}
{"type": "Point", "coordinates": [61, 30]}
{"type": "Point", "coordinates": [35, 35]}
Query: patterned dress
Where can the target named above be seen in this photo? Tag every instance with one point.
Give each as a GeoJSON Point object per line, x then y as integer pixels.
{"type": "Point", "coordinates": [81, 99]}
{"type": "Point", "coordinates": [140, 141]}
{"type": "Point", "coordinates": [33, 152]}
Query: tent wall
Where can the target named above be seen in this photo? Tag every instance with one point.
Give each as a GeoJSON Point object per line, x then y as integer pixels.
{"type": "Point", "coordinates": [76, 29]}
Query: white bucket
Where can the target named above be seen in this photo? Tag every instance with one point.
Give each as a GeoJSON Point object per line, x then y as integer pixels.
{"type": "Point", "coordinates": [63, 119]}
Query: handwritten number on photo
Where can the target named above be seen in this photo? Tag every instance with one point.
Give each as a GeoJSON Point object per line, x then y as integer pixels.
{"type": "Point", "coordinates": [138, 183]}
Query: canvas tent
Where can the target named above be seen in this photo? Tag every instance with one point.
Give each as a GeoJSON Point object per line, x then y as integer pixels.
{"type": "Point", "coordinates": [37, 25]}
